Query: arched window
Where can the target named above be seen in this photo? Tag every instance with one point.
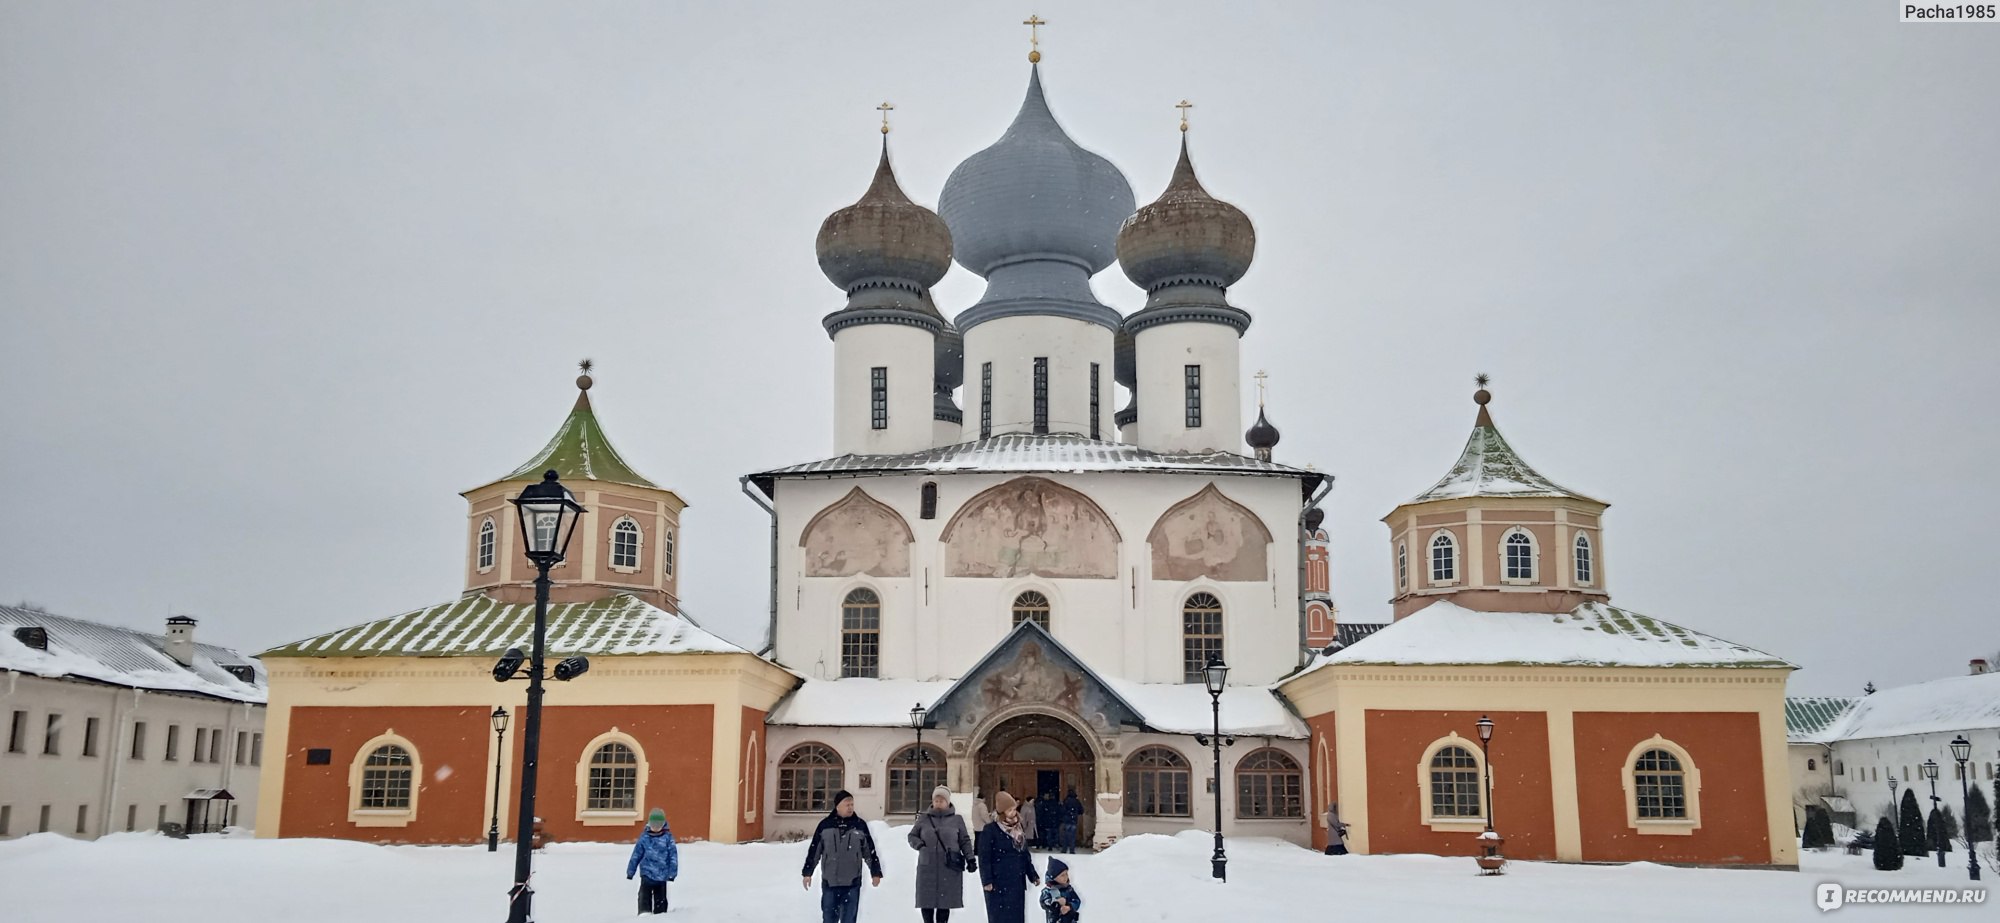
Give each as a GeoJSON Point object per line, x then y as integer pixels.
{"type": "Point", "coordinates": [1032, 605]}
{"type": "Point", "coordinates": [614, 779]}
{"type": "Point", "coordinates": [1811, 764]}
{"type": "Point", "coordinates": [386, 778]}
{"type": "Point", "coordinates": [1454, 783]}
{"type": "Point", "coordinates": [807, 778]}
{"type": "Point", "coordinates": [861, 634]}
{"type": "Point", "coordinates": [927, 500]}
{"type": "Point", "coordinates": [1518, 556]}
{"type": "Point", "coordinates": [1157, 784]}
{"type": "Point", "coordinates": [1201, 634]}
{"type": "Point", "coordinates": [1269, 784]}
{"type": "Point", "coordinates": [625, 544]}
{"type": "Point", "coordinates": [1402, 565]}
{"type": "Point", "coordinates": [913, 773]}
{"type": "Point", "coordinates": [486, 544]}
{"type": "Point", "coordinates": [1584, 564]}
{"type": "Point", "coordinates": [667, 552]}
{"type": "Point", "coordinates": [1444, 558]}
{"type": "Point", "coordinates": [1659, 786]}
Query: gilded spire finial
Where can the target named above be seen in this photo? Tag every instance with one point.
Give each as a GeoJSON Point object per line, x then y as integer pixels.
{"type": "Point", "coordinates": [885, 109]}
{"type": "Point", "coordinates": [1260, 376]}
{"type": "Point", "coordinates": [1034, 24]}
{"type": "Point", "coordinates": [1184, 106]}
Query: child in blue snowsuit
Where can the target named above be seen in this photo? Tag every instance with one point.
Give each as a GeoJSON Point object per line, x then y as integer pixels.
{"type": "Point", "coordinates": [1060, 901]}
{"type": "Point", "coordinates": [656, 860]}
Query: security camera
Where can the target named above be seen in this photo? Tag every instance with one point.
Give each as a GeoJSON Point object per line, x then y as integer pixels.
{"type": "Point", "coordinates": [509, 665]}
{"type": "Point", "coordinates": [572, 667]}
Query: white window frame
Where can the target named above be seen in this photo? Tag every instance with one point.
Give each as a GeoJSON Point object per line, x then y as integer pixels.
{"type": "Point", "coordinates": [611, 818]}
{"type": "Point", "coordinates": [486, 546]}
{"type": "Point", "coordinates": [1451, 824]}
{"type": "Point", "coordinates": [1690, 790]}
{"type": "Point", "coordinates": [638, 546]}
{"type": "Point", "coordinates": [1534, 557]}
{"type": "Point", "coordinates": [1583, 560]}
{"type": "Point", "coordinates": [667, 553]}
{"type": "Point", "coordinates": [1430, 559]}
{"type": "Point", "coordinates": [383, 817]}
{"type": "Point", "coordinates": [1402, 565]}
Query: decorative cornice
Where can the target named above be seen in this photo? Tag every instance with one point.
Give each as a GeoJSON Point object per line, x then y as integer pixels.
{"type": "Point", "coordinates": [1088, 312]}
{"type": "Point", "coordinates": [855, 317]}
{"type": "Point", "coordinates": [1229, 316]}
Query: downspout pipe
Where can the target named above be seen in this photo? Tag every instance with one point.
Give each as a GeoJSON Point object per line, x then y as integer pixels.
{"type": "Point", "coordinates": [771, 629]}
{"type": "Point", "coordinates": [1312, 502]}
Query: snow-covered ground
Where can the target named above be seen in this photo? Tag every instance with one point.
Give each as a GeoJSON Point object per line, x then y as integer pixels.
{"type": "Point", "coordinates": [47, 878]}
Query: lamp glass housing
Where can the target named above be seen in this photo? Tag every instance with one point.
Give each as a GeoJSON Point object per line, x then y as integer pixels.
{"type": "Point", "coordinates": [917, 715]}
{"type": "Point", "coordinates": [500, 718]}
{"type": "Point", "coordinates": [1930, 770]}
{"type": "Point", "coordinates": [1485, 726]}
{"type": "Point", "coordinates": [549, 514]}
{"type": "Point", "coordinates": [1215, 675]}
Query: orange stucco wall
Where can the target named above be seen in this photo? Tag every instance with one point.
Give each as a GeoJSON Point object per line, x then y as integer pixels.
{"type": "Point", "coordinates": [750, 778]}
{"type": "Point", "coordinates": [452, 789]}
{"type": "Point", "coordinates": [677, 741]}
{"type": "Point", "coordinates": [1523, 808]}
{"type": "Point", "coordinates": [1316, 766]}
{"type": "Point", "coordinates": [1726, 749]}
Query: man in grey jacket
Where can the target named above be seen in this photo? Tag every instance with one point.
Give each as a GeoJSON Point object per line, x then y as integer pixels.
{"type": "Point", "coordinates": [840, 846]}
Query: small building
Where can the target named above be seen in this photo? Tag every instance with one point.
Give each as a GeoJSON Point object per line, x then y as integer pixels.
{"type": "Point", "coordinates": [1810, 757]}
{"type": "Point", "coordinates": [1889, 734]}
{"type": "Point", "coordinates": [114, 730]}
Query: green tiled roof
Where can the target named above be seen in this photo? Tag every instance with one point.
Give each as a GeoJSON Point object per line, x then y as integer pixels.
{"type": "Point", "coordinates": [580, 452]}
{"type": "Point", "coordinates": [1489, 467]}
{"type": "Point", "coordinates": [1807, 715]}
{"type": "Point", "coordinates": [480, 625]}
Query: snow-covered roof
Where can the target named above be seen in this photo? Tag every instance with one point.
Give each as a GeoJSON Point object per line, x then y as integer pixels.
{"type": "Point", "coordinates": [1953, 704]}
{"type": "Point", "coordinates": [1052, 453]}
{"type": "Point", "coordinates": [1489, 467]}
{"type": "Point", "coordinates": [123, 657]}
{"type": "Point", "coordinates": [1592, 634]}
{"type": "Point", "coordinates": [857, 702]}
{"type": "Point", "coordinates": [481, 625]}
{"type": "Point", "coordinates": [1806, 716]}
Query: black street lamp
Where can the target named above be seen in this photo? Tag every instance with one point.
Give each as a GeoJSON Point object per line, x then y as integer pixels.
{"type": "Point", "coordinates": [1929, 769]}
{"type": "Point", "coordinates": [549, 514]}
{"type": "Point", "coordinates": [917, 719]}
{"type": "Point", "coordinates": [1961, 750]}
{"type": "Point", "coordinates": [499, 751]}
{"type": "Point", "coordinates": [1485, 726]}
{"type": "Point", "coordinates": [1215, 675]}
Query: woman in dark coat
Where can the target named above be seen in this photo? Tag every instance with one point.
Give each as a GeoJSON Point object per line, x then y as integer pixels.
{"type": "Point", "coordinates": [939, 838]}
{"type": "Point", "coordinates": [1005, 865]}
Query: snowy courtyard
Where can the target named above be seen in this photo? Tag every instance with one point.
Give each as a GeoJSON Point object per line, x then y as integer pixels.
{"type": "Point", "coordinates": [53, 879]}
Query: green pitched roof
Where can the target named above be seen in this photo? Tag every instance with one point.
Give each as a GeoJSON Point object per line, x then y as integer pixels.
{"type": "Point", "coordinates": [480, 625]}
{"type": "Point", "coordinates": [1807, 715]}
{"type": "Point", "coordinates": [1489, 467]}
{"type": "Point", "coordinates": [581, 452]}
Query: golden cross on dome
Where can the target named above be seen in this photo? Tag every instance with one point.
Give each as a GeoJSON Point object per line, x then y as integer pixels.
{"type": "Point", "coordinates": [1184, 106]}
{"type": "Point", "coordinates": [885, 107]}
{"type": "Point", "coordinates": [1034, 24]}
{"type": "Point", "coordinates": [1260, 376]}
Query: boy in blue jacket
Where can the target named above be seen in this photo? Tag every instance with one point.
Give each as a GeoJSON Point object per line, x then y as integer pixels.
{"type": "Point", "coordinates": [656, 860]}
{"type": "Point", "coordinates": [1060, 901]}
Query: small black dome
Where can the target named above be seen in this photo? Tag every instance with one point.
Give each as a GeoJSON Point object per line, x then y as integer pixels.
{"type": "Point", "coordinates": [1314, 517]}
{"type": "Point", "coordinates": [1262, 435]}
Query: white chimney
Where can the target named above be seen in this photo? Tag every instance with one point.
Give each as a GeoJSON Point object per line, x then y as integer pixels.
{"type": "Point", "coordinates": [180, 639]}
{"type": "Point", "coordinates": [1979, 665]}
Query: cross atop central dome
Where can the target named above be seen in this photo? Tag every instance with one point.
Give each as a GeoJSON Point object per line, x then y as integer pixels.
{"type": "Point", "coordinates": [1036, 215]}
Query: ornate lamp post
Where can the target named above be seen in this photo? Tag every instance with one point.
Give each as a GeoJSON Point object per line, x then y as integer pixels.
{"type": "Point", "coordinates": [1961, 750]}
{"type": "Point", "coordinates": [918, 716]}
{"type": "Point", "coordinates": [1491, 860]}
{"type": "Point", "coordinates": [1215, 675]}
{"type": "Point", "coordinates": [499, 752]}
{"type": "Point", "coordinates": [549, 514]}
{"type": "Point", "coordinates": [1929, 769]}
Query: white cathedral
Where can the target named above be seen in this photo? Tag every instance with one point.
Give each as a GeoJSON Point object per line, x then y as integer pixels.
{"type": "Point", "coordinates": [1038, 577]}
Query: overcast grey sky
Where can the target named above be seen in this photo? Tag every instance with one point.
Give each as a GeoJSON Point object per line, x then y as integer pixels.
{"type": "Point", "coordinates": [280, 279]}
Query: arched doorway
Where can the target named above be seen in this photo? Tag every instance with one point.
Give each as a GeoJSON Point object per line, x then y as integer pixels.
{"type": "Point", "coordinates": [1034, 754]}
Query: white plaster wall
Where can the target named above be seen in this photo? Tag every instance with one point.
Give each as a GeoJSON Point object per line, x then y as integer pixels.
{"type": "Point", "coordinates": [1011, 344]}
{"type": "Point", "coordinates": [908, 353]}
{"type": "Point", "coordinates": [1202, 763]}
{"type": "Point", "coordinates": [1162, 353]}
{"type": "Point", "coordinates": [111, 782]}
{"type": "Point", "coordinates": [936, 627]}
{"type": "Point", "coordinates": [1867, 764]}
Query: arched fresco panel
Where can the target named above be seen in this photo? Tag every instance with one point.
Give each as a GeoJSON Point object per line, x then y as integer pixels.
{"type": "Point", "coordinates": [1210, 535]}
{"type": "Point", "coordinates": [1027, 526]}
{"type": "Point", "coordinates": [858, 535]}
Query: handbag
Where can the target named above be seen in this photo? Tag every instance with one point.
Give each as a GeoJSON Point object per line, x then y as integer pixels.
{"type": "Point", "coordinates": [955, 861]}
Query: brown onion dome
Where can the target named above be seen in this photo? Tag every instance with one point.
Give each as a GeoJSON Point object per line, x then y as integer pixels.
{"type": "Point", "coordinates": [884, 236]}
{"type": "Point", "coordinates": [1262, 435]}
{"type": "Point", "coordinates": [1186, 235]}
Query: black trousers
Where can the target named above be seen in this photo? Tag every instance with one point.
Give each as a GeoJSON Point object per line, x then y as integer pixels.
{"type": "Point", "coordinates": [936, 916]}
{"type": "Point", "coordinates": [652, 896]}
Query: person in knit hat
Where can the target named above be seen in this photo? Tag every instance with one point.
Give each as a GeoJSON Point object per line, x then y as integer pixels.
{"type": "Point", "coordinates": [841, 845]}
{"type": "Point", "coordinates": [656, 860]}
{"type": "Point", "coordinates": [1060, 902]}
{"type": "Point", "coordinates": [944, 855]}
{"type": "Point", "coordinates": [1005, 865]}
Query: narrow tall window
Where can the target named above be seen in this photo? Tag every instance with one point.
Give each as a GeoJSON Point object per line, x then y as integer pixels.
{"type": "Point", "coordinates": [90, 737]}
{"type": "Point", "coordinates": [1041, 394]}
{"type": "Point", "coordinates": [6, 819]}
{"type": "Point", "coordinates": [82, 816]}
{"type": "Point", "coordinates": [1095, 427]}
{"type": "Point", "coordinates": [667, 552]}
{"type": "Point", "coordinates": [1402, 565]}
{"type": "Point", "coordinates": [625, 544]}
{"type": "Point", "coordinates": [1659, 786]}
{"type": "Point", "coordinates": [256, 749]}
{"type": "Point", "coordinates": [1444, 558]}
{"type": "Point", "coordinates": [486, 544]}
{"type": "Point", "coordinates": [200, 745]}
{"type": "Point", "coordinates": [1193, 396]}
{"type": "Point", "coordinates": [878, 397]}
{"type": "Point", "coordinates": [1584, 564]}
{"type": "Point", "coordinates": [861, 634]}
{"type": "Point", "coordinates": [52, 736]}
{"type": "Point", "coordinates": [927, 501]}
{"type": "Point", "coordinates": [985, 399]}
{"type": "Point", "coordinates": [173, 742]}
{"type": "Point", "coordinates": [138, 740]}
{"type": "Point", "coordinates": [385, 779]}
{"type": "Point", "coordinates": [131, 817]}
{"type": "Point", "coordinates": [614, 779]}
{"type": "Point", "coordinates": [242, 747]}
{"type": "Point", "coordinates": [1201, 634]}
{"type": "Point", "coordinates": [1454, 783]}
{"type": "Point", "coordinates": [1520, 555]}
{"type": "Point", "coordinates": [17, 734]}
{"type": "Point", "coordinates": [1032, 606]}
